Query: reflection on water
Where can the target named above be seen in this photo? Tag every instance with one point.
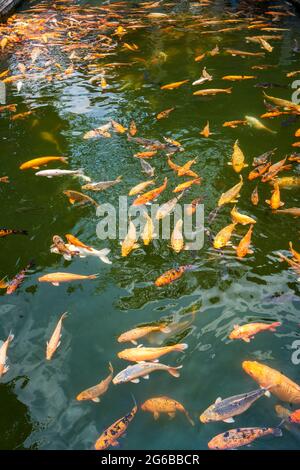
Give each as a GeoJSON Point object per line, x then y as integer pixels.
{"type": "Point", "coordinates": [204, 305]}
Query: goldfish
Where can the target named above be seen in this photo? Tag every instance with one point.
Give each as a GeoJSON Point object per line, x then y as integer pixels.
{"type": "Point", "coordinates": [206, 131]}
{"type": "Point", "coordinates": [177, 242]}
{"type": "Point", "coordinates": [224, 410]}
{"type": "Point", "coordinates": [151, 195]}
{"type": "Point", "coordinates": [238, 158]}
{"type": "Point", "coordinates": [148, 232]}
{"type": "Point", "coordinates": [200, 57]}
{"type": "Point", "coordinates": [129, 242]}
{"type": "Point", "coordinates": [93, 393]}
{"type": "Point", "coordinates": [223, 237]}
{"type": "Point", "coordinates": [241, 437]}
{"type": "Point", "coordinates": [139, 188]}
{"type": "Point", "coordinates": [118, 127]}
{"type": "Point", "coordinates": [140, 353]}
{"type": "Point", "coordinates": [278, 384]}
{"type": "Point", "coordinates": [243, 248]}
{"type": "Point", "coordinates": [294, 211]}
{"type": "Point", "coordinates": [54, 341]}
{"type": "Point", "coordinates": [248, 331]}
{"type": "Point", "coordinates": [172, 86]}
{"type": "Point", "coordinates": [60, 247]}
{"type": "Point", "coordinates": [234, 78]}
{"type": "Point", "coordinates": [3, 354]}
{"type": "Point", "coordinates": [166, 208]}
{"type": "Point", "coordinates": [186, 185]}
{"type": "Point", "coordinates": [13, 285]}
{"type": "Point", "coordinates": [275, 202]}
{"type": "Point", "coordinates": [283, 103]}
{"type": "Point", "coordinates": [4, 232]}
{"type": "Point", "coordinates": [242, 219]}
{"type": "Point", "coordinates": [149, 154]}
{"type": "Point", "coordinates": [140, 332]}
{"type": "Point", "coordinates": [56, 278]}
{"type": "Point", "coordinates": [143, 369]}
{"type": "Point", "coordinates": [164, 114]}
{"type": "Point", "coordinates": [102, 131]}
{"type": "Point", "coordinates": [170, 276]}
{"type": "Point", "coordinates": [234, 52]}
{"type": "Point", "coordinates": [163, 404]}
{"type": "Point", "coordinates": [81, 199]}
{"type": "Point", "coordinates": [132, 129]}
{"type": "Point", "coordinates": [232, 194]}
{"type": "Point", "coordinates": [213, 91]}
{"type": "Point", "coordinates": [111, 435]}
{"type": "Point", "coordinates": [205, 77]}
{"type": "Point", "coordinates": [295, 253]}
{"type": "Point", "coordinates": [254, 122]}
{"type": "Point", "coordinates": [36, 163]}
{"type": "Point", "coordinates": [234, 124]}
{"type": "Point", "coordinates": [258, 171]}
{"type": "Point", "coordinates": [102, 185]}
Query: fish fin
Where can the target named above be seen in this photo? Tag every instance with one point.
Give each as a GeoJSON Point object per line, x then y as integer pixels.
{"type": "Point", "coordinates": [134, 342]}
{"type": "Point", "coordinates": [6, 369]}
{"type": "Point", "coordinates": [174, 371]}
{"type": "Point", "coordinates": [67, 257]}
{"type": "Point", "coordinates": [236, 326]}
{"type": "Point", "coordinates": [268, 394]}
{"type": "Point", "coordinates": [135, 381]}
{"type": "Point", "coordinates": [71, 200]}
{"type": "Point", "coordinates": [140, 346]}
{"type": "Point", "coordinates": [277, 432]}
{"type": "Point", "coordinates": [247, 340]}
{"type": "Point", "coordinates": [218, 400]}
{"type": "Point", "coordinates": [56, 284]}
{"type": "Point", "coordinates": [229, 420]}
{"type": "Point", "coordinates": [172, 415]}
{"type": "Point", "coordinates": [146, 377]}
{"type": "Point", "coordinates": [166, 330]}
{"type": "Point", "coordinates": [114, 443]}
{"type": "Point", "coordinates": [3, 284]}
{"type": "Point", "coordinates": [59, 343]}
{"type": "Point", "coordinates": [104, 259]}
{"type": "Point", "coordinates": [156, 415]}
{"type": "Point", "coordinates": [96, 400]}
{"type": "Point", "coordinates": [229, 163]}
{"type": "Point", "coordinates": [250, 252]}
{"type": "Point", "coordinates": [155, 360]}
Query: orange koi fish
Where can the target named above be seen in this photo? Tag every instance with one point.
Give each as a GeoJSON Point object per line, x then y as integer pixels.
{"type": "Point", "coordinates": [150, 195]}
{"type": "Point", "coordinates": [243, 248]}
{"type": "Point", "coordinates": [275, 202]}
{"type": "Point", "coordinates": [255, 197]}
{"type": "Point", "coordinates": [140, 353]}
{"type": "Point", "coordinates": [241, 437]}
{"type": "Point", "coordinates": [36, 163]}
{"type": "Point", "coordinates": [111, 435]}
{"type": "Point", "coordinates": [172, 86]}
{"type": "Point", "coordinates": [12, 285]}
{"type": "Point", "coordinates": [258, 171]}
{"type": "Point", "coordinates": [186, 185]}
{"type": "Point", "coordinates": [93, 393]}
{"type": "Point", "coordinates": [172, 275]}
{"type": "Point", "coordinates": [164, 114]}
{"type": "Point", "coordinates": [54, 341]}
{"type": "Point", "coordinates": [159, 405]}
{"type": "Point", "coordinates": [56, 278]}
{"type": "Point", "coordinates": [248, 331]}
{"type": "Point", "coordinates": [3, 354]}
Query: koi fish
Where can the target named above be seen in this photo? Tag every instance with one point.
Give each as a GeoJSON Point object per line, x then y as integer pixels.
{"type": "Point", "coordinates": [295, 254]}
{"type": "Point", "coordinates": [166, 208]}
{"type": "Point", "coordinates": [164, 114]}
{"type": "Point", "coordinates": [163, 404]}
{"type": "Point", "coordinates": [84, 252]}
{"type": "Point", "coordinates": [60, 247]}
{"type": "Point", "coordinates": [242, 219]}
{"type": "Point", "coordinates": [205, 77]}
{"type": "Point", "coordinates": [36, 163]}
{"type": "Point", "coordinates": [93, 393]}
{"type": "Point", "coordinates": [102, 131]}
{"type": "Point", "coordinates": [191, 208]}
{"type": "Point", "coordinates": [151, 195]}
{"type": "Point", "coordinates": [294, 211]}
{"type": "Point", "coordinates": [56, 278]}
{"type": "Point", "coordinates": [293, 264]}
{"type": "Point", "coordinates": [132, 129]}
{"type": "Point", "coordinates": [54, 341]}
{"type": "Point", "coordinates": [147, 168]}
{"type": "Point", "coordinates": [187, 184]}
{"type": "Point", "coordinates": [3, 354]}
{"type": "Point", "coordinates": [102, 185]}
{"type": "Point", "coordinates": [248, 331]}
{"type": "Point", "coordinates": [4, 232]}
{"type": "Point", "coordinates": [243, 247]}
{"type": "Point", "coordinates": [149, 154]}
{"type": "Point", "coordinates": [263, 159]}
{"type": "Point", "coordinates": [81, 199]}
{"type": "Point", "coordinates": [235, 78]}
{"type": "Point", "coordinates": [223, 237]}
{"type": "Point", "coordinates": [287, 181]}
{"type": "Point", "coordinates": [12, 285]}
{"type": "Point", "coordinates": [234, 53]}
{"type": "Point", "coordinates": [129, 242]}
{"type": "Point", "coordinates": [58, 172]}
{"type": "Point", "coordinates": [258, 171]}
{"type": "Point", "coordinates": [4, 179]}
{"type": "Point", "coordinates": [118, 127]}
{"type": "Point", "coordinates": [170, 276]}
{"type": "Point", "coordinates": [253, 122]}
{"type": "Point", "coordinates": [234, 124]}
{"type": "Point", "coordinates": [275, 169]}
{"type": "Point", "coordinates": [143, 369]}
{"type": "Point", "coordinates": [148, 232]}
{"type": "Point", "coordinates": [238, 158]}
{"type": "Point", "coordinates": [255, 197]}
{"type": "Point", "coordinates": [278, 384]}
{"type": "Point", "coordinates": [172, 86]}
{"type": "Point", "coordinates": [232, 194]}
{"type": "Point", "coordinates": [206, 131]}
{"type": "Point", "coordinates": [111, 435]}
{"type": "Point", "coordinates": [275, 202]}
{"type": "Point", "coordinates": [224, 410]}
{"type": "Point", "coordinates": [140, 353]}
{"type": "Point", "coordinates": [283, 103]}
{"type": "Point", "coordinates": [139, 188]}
{"type": "Point", "coordinates": [213, 92]}
{"type": "Point", "coordinates": [241, 437]}
{"type": "Point", "coordinates": [295, 417]}
{"type": "Point", "coordinates": [177, 242]}
{"type": "Point", "coordinates": [140, 332]}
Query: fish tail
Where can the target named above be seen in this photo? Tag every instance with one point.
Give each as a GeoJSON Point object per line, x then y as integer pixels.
{"type": "Point", "coordinates": [277, 432]}
{"type": "Point", "coordinates": [3, 283]}
{"type": "Point", "coordinates": [111, 369]}
{"type": "Point", "coordinates": [10, 337]}
{"type": "Point", "coordinates": [191, 267]}
{"type": "Point", "coordinates": [181, 347]}
{"type": "Point", "coordinates": [65, 160]}
{"type": "Point", "coordinates": [64, 315]}
{"type": "Point", "coordinates": [119, 178]}
{"type": "Point", "coordinates": [275, 325]}
{"type": "Point", "coordinates": [174, 371]}
{"type": "Point", "coordinates": [189, 418]}
{"type": "Point", "coordinates": [93, 276]}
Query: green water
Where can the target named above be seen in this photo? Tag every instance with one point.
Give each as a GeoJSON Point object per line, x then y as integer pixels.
{"type": "Point", "coordinates": [39, 409]}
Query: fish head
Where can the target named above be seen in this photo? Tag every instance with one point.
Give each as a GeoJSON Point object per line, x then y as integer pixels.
{"type": "Point", "coordinates": [57, 239]}
{"type": "Point", "coordinates": [254, 369]}
{"type": "Point", "coordinates": [204, 418]}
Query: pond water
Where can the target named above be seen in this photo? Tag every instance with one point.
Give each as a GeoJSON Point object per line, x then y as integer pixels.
{"type": "Point", "coordinates": [38, 397]}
